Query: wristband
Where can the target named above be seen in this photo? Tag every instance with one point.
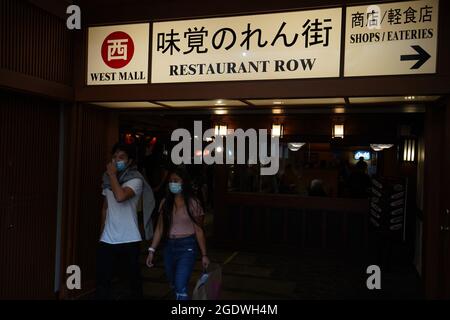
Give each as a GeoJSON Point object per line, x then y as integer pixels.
{"type": "Point", "coordinates": [151, 250]}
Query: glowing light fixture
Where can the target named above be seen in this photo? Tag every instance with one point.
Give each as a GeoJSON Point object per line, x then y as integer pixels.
{"type": "Point", "coordinates": [220, 111]}
{"type": "Point", "coordinates": [338, 131]}
{"type": "Point", "coordinates": [220, 130]}
{"type": "Point", "coordinates": [295, 146]}
{"type": "Point", "coordinates": [277, 130]}
{"type": "Point", "coordinates": [376, 147]}
{"type": "Point", "coordinates": [220, 102]}
{"type": "Point", "coordinates": [198, 153]}
{"type": "Point", "coordinates": [409, 150]}
{"type": "Point", "coordinates": [380, 146]}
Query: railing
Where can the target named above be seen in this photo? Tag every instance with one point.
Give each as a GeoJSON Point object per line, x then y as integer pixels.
{"type": "Point", "coordinates": [252, 220]}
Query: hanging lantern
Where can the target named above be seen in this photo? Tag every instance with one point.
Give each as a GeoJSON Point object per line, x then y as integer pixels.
{"type": "Point", "coordinates": [277, 130]}
{"type": "Point", "coordinates": [220, 130]}
{"type": "Point", "coordinates": [338, 131]}
{"type": "Point", "coordinates": [129, 139]}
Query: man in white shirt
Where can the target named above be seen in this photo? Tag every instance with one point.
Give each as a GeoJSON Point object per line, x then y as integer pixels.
{"type": "Point", "coordinates": [119, 246]}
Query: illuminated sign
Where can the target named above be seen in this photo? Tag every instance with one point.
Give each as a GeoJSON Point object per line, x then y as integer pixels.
{"type": "Point", "coordinates": [289, 45]}
{"type": "Point", "coordinates": [361, 153]}
{"type": "Point", "coordinates": [118, 54]}
{"type": "Point", "coordinates": [392, 38]}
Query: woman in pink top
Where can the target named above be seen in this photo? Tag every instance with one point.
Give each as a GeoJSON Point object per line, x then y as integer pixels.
{"type": "Point", "coordinates": [180, 227]}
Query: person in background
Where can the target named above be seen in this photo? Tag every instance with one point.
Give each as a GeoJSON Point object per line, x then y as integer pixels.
{"type": "Point", "coordinates": [359, 180]}
{"type": "Point", "coordinates": [361, 165]}
{"type": "Point", "coordinates": [156, 169]}
{"type": "Point", "coordinates": [288, 180]}
{"type": "Point", "coordinates": [316, 189]}
{"type": "Point", "coordinates": [180, 227]}
{"type": "Point", "coordinates": [120, 238]}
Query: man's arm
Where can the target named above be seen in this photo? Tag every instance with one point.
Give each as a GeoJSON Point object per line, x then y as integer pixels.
{"type": "Point", "coordinates": [121, 194]}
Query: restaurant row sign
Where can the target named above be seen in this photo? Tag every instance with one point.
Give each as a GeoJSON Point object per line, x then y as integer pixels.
{"type": "Point", "coordinates": [383, 39]}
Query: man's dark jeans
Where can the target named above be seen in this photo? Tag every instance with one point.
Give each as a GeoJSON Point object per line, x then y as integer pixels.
{"type": "Point", "coordinates": [122, 257]}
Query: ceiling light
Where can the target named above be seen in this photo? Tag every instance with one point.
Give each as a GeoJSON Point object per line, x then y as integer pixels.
{"type": "Point", "coordinates": [220, 111]}
{"type": "Point", "coordinates": [380, 146]}
{"type": "Point", "coordinates": [295, 146]}
{"type": "Point", "coordinates": [220, 102]}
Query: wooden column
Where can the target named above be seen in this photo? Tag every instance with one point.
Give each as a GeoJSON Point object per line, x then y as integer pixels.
{"type": "Point", "coordinates": [435, 188]}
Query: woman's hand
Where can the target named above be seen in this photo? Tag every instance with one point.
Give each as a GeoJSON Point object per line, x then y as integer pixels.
{"type": "Point", "coordinates": [149, 261]}
{"type": "Point", "coordinates": [111, 169]}
{"type": "Point", "coordinates": [205, 262]}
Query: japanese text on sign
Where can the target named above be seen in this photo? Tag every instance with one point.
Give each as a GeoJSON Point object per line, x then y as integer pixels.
{"type": "Point", "coordinates": [267, 46]}
{"type": "Point", "coordinates": [393, 38]}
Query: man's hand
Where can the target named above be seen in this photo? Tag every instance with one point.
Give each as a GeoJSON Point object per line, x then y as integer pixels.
{"type": "Point", "coordinates": [111, 169]}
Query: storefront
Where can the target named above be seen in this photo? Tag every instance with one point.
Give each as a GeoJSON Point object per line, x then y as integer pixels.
{"type": "Point", "coordinates": [336, 80]}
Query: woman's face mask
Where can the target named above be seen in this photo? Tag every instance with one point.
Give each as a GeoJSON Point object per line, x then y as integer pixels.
{"type": "Point", "coordinates": [175, 187]}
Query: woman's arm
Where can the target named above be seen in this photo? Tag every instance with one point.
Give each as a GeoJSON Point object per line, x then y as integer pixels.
{"type": "Point", "coordinates": [158, 233]}
{"type": "Point", "coordinates": [155, 241]}
{"type": "Point", "coordinates": [200, 235]}
{"type": "Point", "coordinates": [198, 226]}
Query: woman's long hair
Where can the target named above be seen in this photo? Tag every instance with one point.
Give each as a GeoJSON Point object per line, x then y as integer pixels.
{"type": "Point", "coordinates": [189, 200]}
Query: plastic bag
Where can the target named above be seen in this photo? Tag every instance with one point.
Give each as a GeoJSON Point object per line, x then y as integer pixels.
{"type": "Point", "coordinates": [209, 284]}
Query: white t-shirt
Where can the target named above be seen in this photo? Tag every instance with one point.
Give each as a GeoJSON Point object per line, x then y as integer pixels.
{"type": "Point", "coordinates": [121, 224]}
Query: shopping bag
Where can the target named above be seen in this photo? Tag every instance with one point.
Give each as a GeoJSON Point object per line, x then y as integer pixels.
{"type": "Point", "coordinates": [209, 284]}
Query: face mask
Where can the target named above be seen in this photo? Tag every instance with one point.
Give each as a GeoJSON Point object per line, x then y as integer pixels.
{"type": "Point", "coordinates": [121, 165]}
{"type": "Point", "coordinates": [175, 187]}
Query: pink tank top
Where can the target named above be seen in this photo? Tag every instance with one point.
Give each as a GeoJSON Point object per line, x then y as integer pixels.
{"type": "Point", "coordinates": [181, 222]}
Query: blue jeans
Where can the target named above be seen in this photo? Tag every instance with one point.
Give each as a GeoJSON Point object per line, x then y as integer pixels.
{"type": "Point", "coordinates": [179, 260]}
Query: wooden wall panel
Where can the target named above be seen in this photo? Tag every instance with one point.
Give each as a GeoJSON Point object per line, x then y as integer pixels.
{"type": "Point", "coordinates": [434, 168]}
{"type": "Point", "coordinates": [93, 150]}
{"type": "Point", "coordinates": [34, 42]}
{"type": "Point", "coordinates": [29, 140]}
{"type": "Point", "coordinates": [91, 133]}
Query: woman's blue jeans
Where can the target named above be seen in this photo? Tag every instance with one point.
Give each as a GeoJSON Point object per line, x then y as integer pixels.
{"type": "Point", "coordinates": [179, 260]}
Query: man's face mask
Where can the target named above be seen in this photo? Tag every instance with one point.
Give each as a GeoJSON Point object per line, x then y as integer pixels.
{"type": "Point", "coordinates": [121, 165]}
{"type": "Point", "coordinates": [175, 187]}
